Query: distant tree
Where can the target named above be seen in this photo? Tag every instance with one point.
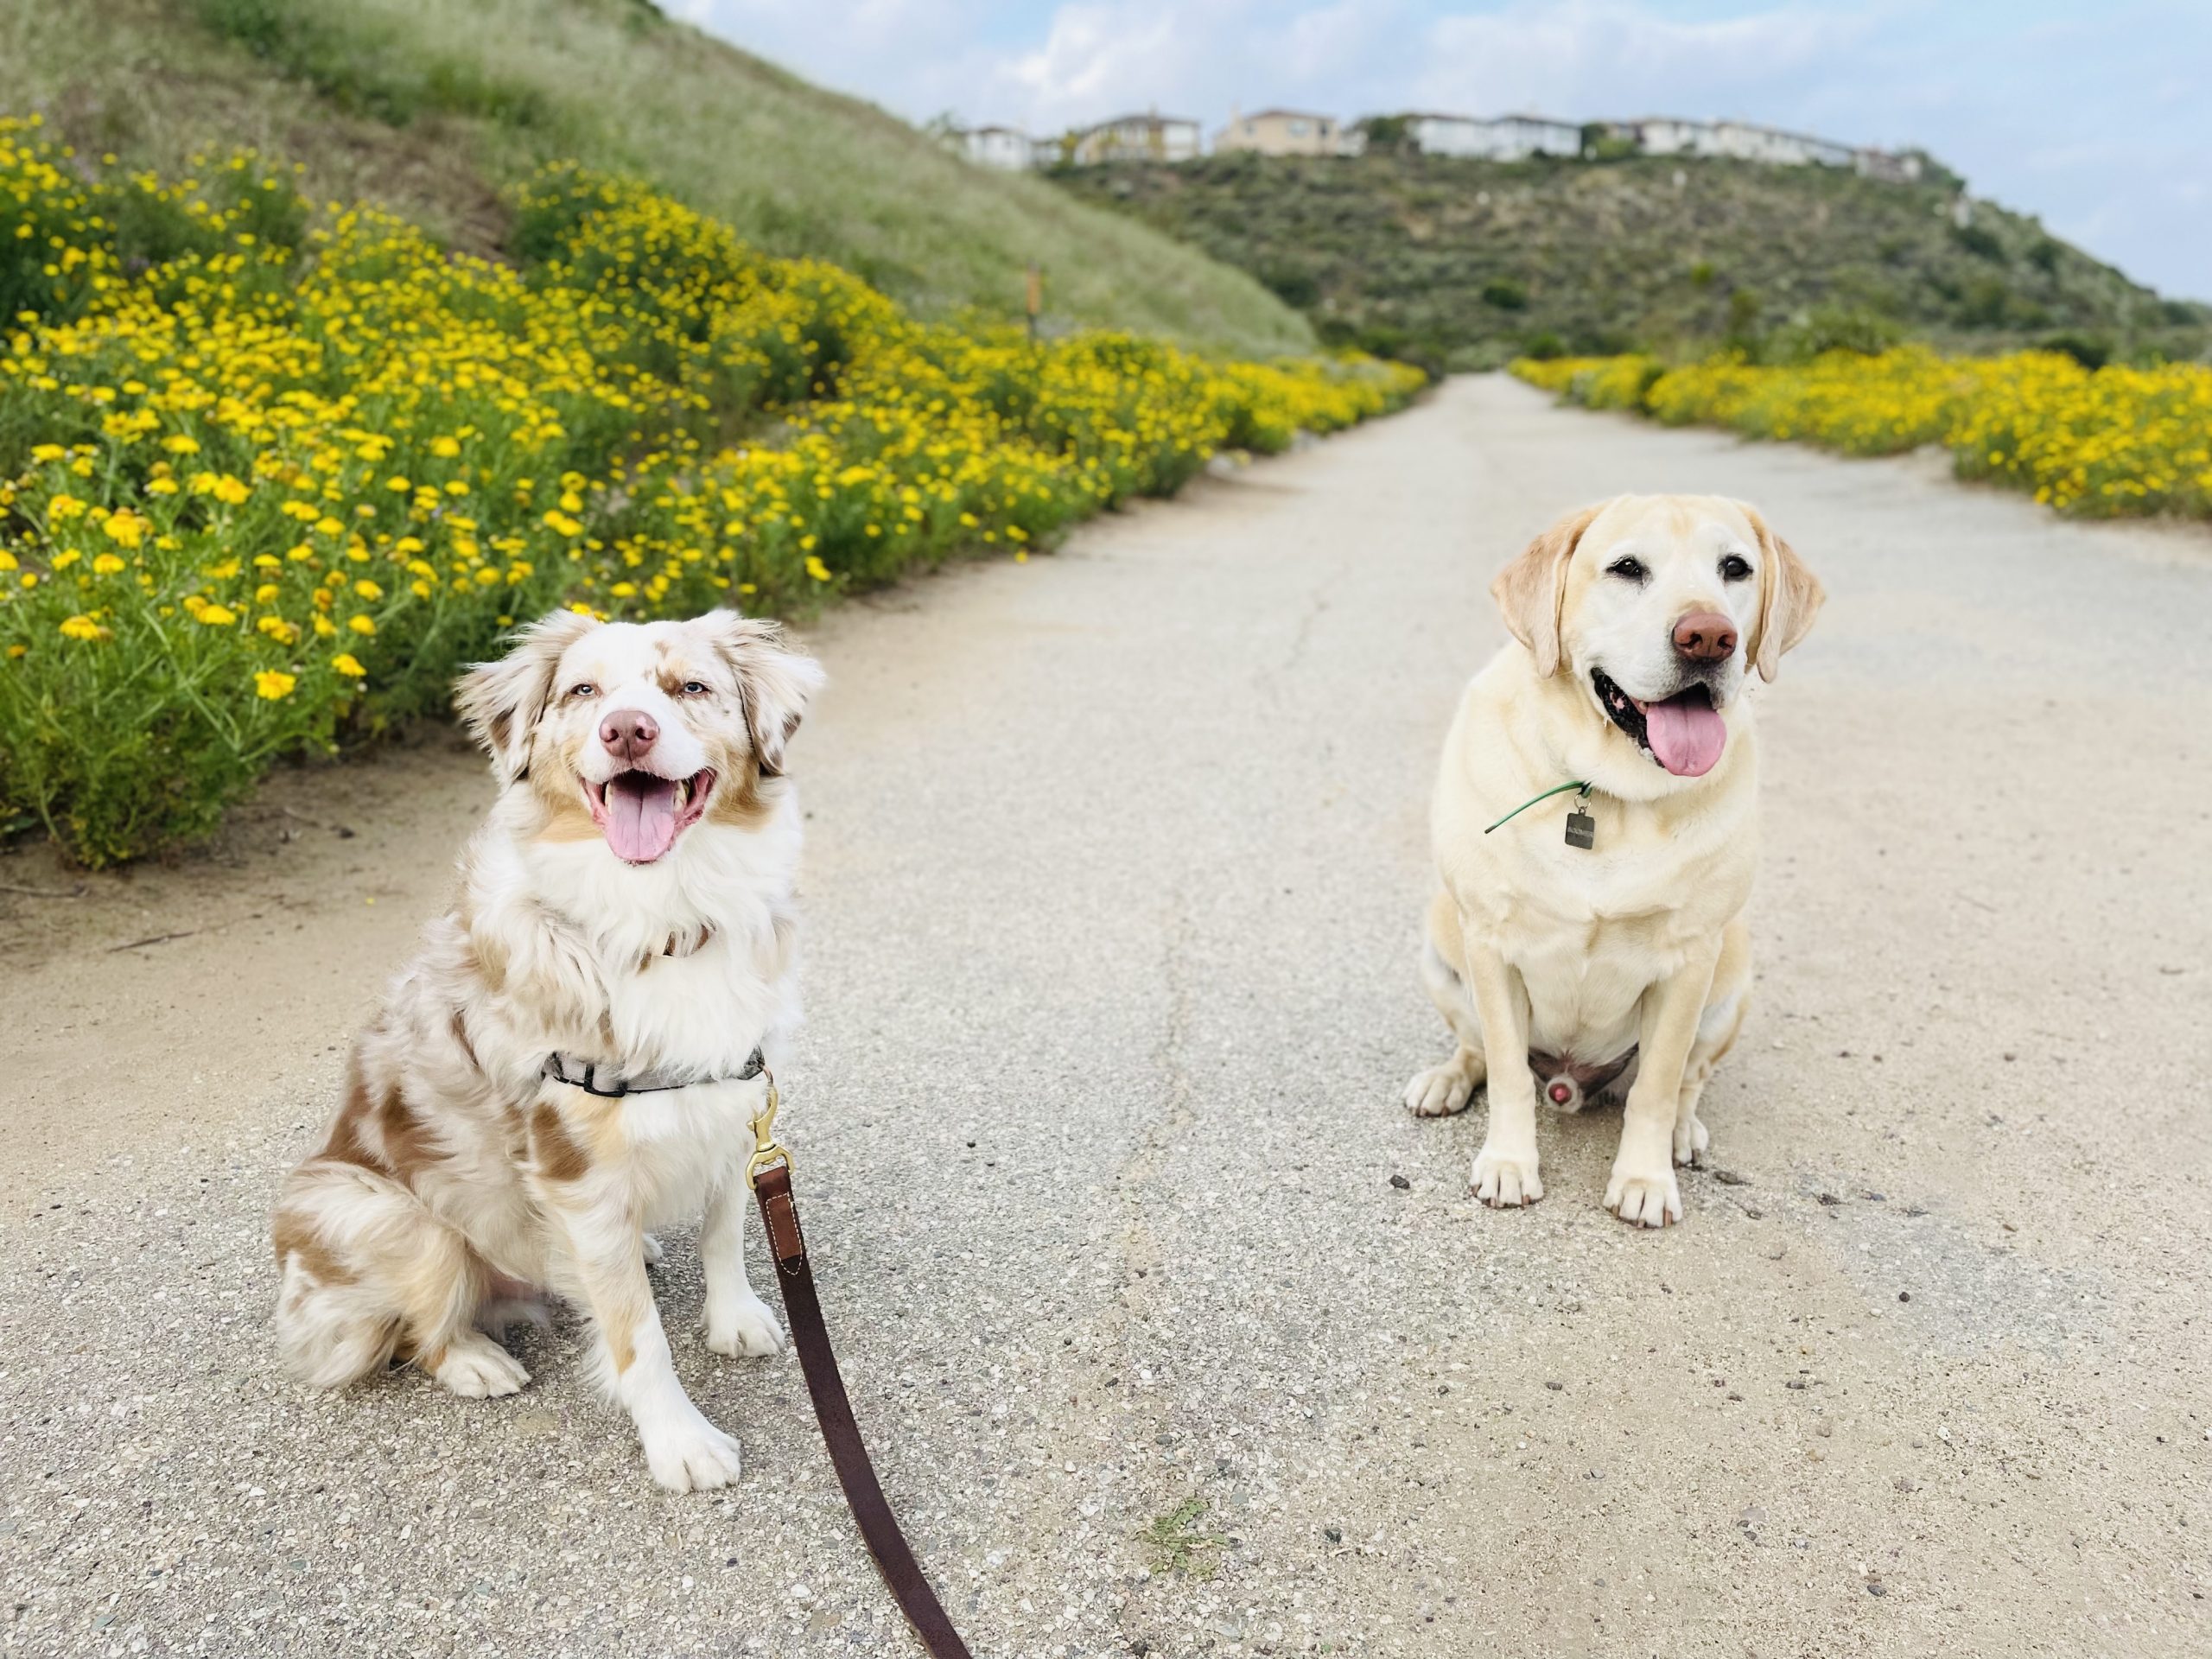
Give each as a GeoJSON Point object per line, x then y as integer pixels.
{"type": "Point", "coordinates": [1601, 144]}
{"type": "Point", "coordinates": [1293, 285]}
{"type": "Point", "coordinates": [1386, 132]}
{"type": "Point", "coordinates": [1505, 294]}
{"type": "Point", "coordinates": [1981, 242]}
{"type": "Point", "coordinates": [1742, 332]}
{"type": "Point", "coordinates": [1986, 303]}
{"type": "Point", "coordinates": [2090, 351]}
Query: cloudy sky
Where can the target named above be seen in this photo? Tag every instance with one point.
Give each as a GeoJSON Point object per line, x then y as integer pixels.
{"type": "Point", "coordinates": [2093, 115]}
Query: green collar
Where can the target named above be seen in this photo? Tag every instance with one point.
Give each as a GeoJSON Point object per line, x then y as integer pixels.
{"type": "Point", "coordinates": [1576, 784]}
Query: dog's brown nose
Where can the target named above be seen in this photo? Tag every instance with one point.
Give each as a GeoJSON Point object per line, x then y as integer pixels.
{"type": "Point", "coordinates": [1705, 636]}
{"type": "Point", "coordinates": [629, 732]}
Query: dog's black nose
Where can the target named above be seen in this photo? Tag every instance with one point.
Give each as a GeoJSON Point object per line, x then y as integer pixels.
{"type": "Point", "coordinates": [629, 734]}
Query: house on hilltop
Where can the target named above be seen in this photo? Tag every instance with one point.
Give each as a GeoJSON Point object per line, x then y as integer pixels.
{"type": "Point", "coordinates": [1505, 138]}
{"type": "Point", "coordinates": [1150, 137]}
{"type": "Point", "coordinates": [1287, 132]}
{"type": "Point", "coordinates": [1882, 164]}
{"type": "Point", "coordinates": [992, 146]}
{"type": "Point", "coordinates": [1742, 141]}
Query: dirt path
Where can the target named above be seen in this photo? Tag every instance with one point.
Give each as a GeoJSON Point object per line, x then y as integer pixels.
{"type": "Point", "coordinates": [1114, 872]}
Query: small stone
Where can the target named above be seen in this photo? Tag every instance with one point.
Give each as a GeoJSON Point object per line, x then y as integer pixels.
{"type": "Point", "coordinates": [1878, 1589]}
{"type": "Point", "coordinates": [1402, 1183]}
{"type": "Point", "coordinates": [1334, 1534]}
{"type": "Point", "coordinates": [1830, 1199]}
{"type": "Point", "coordinates": [1554, 1387]}
{"type": "Point", "coordinates": [1905, 1295]}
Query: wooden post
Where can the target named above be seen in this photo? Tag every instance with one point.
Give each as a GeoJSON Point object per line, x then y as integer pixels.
{"type": "Point", "coordinates": [1035, 297]}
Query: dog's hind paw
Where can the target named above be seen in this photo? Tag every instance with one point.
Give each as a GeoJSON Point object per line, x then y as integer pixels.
{"type": "Point", "coordinates": [477, 1368]}
{"type": "Point", "coordinates": [1690, 1141]}
{"type": "Point", "coordinates": [1440, 1091]}
{"type": "Point", "coordinates": [654, 1255]}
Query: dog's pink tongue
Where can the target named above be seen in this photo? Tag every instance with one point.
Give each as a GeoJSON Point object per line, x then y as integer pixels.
{"type": "Point", "coordinates": [641, 817]}
{"type": "Point", "coordinates": [1686, 733]}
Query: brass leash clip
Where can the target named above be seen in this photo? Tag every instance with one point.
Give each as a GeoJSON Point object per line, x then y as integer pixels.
{"type": "Point", "coordinates": [766, 1149]}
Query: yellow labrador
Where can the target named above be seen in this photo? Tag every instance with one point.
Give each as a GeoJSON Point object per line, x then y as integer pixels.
{"type": "Point", "coordinates": [1595, 939]}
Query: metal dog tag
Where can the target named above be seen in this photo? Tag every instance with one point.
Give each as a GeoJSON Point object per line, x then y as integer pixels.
{"type": "Point", "coordinates": [1581, 828]}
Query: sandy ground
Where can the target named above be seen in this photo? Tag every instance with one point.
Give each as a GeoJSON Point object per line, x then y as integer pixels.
{"type": "Point", "coordinates": [1116, 866]}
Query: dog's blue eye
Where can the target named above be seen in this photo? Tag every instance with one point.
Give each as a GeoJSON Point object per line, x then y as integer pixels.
{"type": "Point", "coordinates": [1734, 568]}
{"type": "Point", "coordinates": [695, 688]}
{"type": "Point", "coordinates": [583, 689]}
{"type": "Point", "coordinates": [1627, 569]}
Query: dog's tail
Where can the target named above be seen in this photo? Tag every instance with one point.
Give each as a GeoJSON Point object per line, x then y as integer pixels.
{"type": "Point", "coordinates": [366, 1272]}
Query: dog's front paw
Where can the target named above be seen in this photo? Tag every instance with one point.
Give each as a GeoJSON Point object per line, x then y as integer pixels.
{"type": "Point", "coordinates": [1505, 1180]}
{"type": "Point", "coordinates": [1643, 1199]}
{"type": "Point", "coordinates": [745, 1326]}
{"type": "Point", "coordinates": [477, 1368]}
{"type": "Point", "coordinates": [688, 1454]}
{"type": "Point", "coordinates": [654, 1255]}
{"type": "Point", "coordinates": [1690, 1139]}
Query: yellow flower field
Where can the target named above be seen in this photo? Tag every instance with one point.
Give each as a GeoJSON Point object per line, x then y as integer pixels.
{"type": "Point", "coordinates": [2096, 442]}
{"type": "Point", "coordinates": [265, 485]}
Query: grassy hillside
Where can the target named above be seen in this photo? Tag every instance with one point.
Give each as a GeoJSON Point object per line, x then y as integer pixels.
{"type": "Point", "coordinates": [1465, 263]}
{"type": "Point", "coordinates": [432, 108]}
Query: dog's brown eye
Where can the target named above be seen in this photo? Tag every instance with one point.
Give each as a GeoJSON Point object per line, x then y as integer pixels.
{"type": "Point", "coordinates": [1735, 567]}
{"type": "Point", "coordinates": [1626, 569]}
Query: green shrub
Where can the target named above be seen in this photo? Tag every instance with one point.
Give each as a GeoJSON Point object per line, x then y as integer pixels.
{"type": "Point", "coordinates": [1834, 327]}
{"type": "Point", "coordinates": [2089, 351]}
{"type": "Point", "coordinates": [1981, 242]}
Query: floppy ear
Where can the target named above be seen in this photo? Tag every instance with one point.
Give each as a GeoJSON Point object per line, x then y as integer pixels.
{"type": "Point", "coordinates": [501, 702]}
{"type": "Point", "coordinates": [774, 682]}
{"type": "Point", "coordinates": [1532, 589]}
{"type": "Point", "coordinates": [1790, 596]}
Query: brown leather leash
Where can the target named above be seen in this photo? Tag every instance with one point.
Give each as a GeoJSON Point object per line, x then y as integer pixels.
{"type": "Point", "coordinates": [769, 1174]}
